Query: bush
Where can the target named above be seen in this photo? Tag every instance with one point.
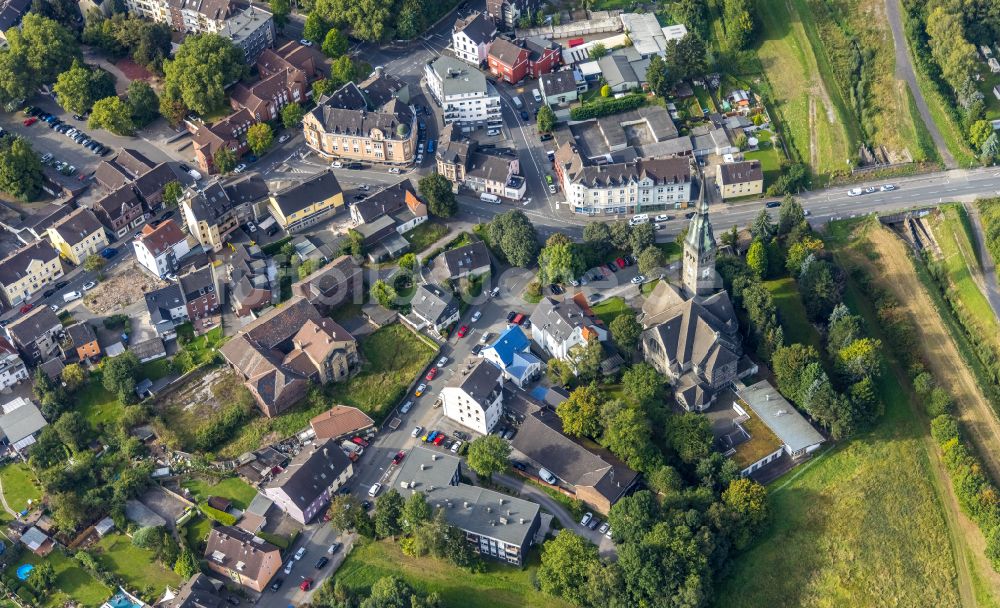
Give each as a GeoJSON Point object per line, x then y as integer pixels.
{"type": "Point", "coordinates": [607, 106]}
{"type": "Point", "coordinates": [216, 515]}
{"type": "Point", "coordinates": [944, 428]}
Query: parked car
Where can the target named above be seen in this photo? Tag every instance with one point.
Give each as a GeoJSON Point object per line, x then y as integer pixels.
{"type": "Point", "coordinates": [593, 523]}
{"type": "Point", "coordinates": [456, 445]}
{"type": "Point", "coordinates": [495, 292]}
{"type": "Point", "coordinates": [30, 121]}
{"type": "Point", "coordinates": [289, 566]}
{"type": "Point", "coordinates": [359, 441]}
{"type": "Point", "coordinates": [430, 375]}
{"type": "Point", "coordinates": [416, 431]}
{"type": "Point", "coordinates": [398, 458]}
{"type": "Point", "coordinates": [420, 389]}
{"type": "Point", "coordinates": [306, 584]}
{"type": "Point", "coordinates": [394, 170]}
{"type": "Point", "coordinates": [462, 331]}
{"type": "Point", "coordinates": [854, 192]}
{"type": "Point", "coordinates": [276, 583]}
{"type": "Point", "coordinates": [25, 308]}
{"type": "Point", "coordinates": [322, 562]}
{"type": "Point", "coordinates": [48, 293]}
{"type": "Point", "coordinates": [442, 361]}
{"type": "Point", "coordinates": [638, 279]}
{"type": "Point", "coordinates": [333, 548]}
{"type": "Point", "coordinates": [520, 466]}
{"type": "Point", "coordinates": [887, 187]}
{"type": "Point", "coordinates": [476, 315]}
{"type": "Point", "coordinates": [869, 189]}
{"type": "Point", "coordinates": [440, 438]}
{"type": "Point", "coordinates": [547, 477]}
{"type": "Point", "coordinates": [300, 553]}
{"type": "Point", "coordinates": [109, 252]}
{"type": "Point", "coordinates": [336, 165]}
{"type": "Point", "coordinates": [604, 528]}
{"type": "Point", "coordinates": [305, 42]}
{"type": "Point", "coordinates": [586, 518]}
{"type": "Point", "coordinates": [240, 168]}
{"type": "Point", "coordinates": [374, 490]}
{"type": "Point", "coordinates": [772, 204]}
{"type": "Point", "coordinates": [405, 407]}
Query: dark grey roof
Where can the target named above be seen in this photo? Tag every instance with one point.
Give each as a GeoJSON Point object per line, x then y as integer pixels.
{"type": "Point", "coordinates": [617, 70]}
{"type": "Point", "coordinates": [300, 195]}
{"type": "Point", "coordinates": [557, 83]}
{"type": "Point", "coordinates": [559, 319]}
{"type": "Point", "coordinates": [80, 334]}
{"type": "Point", "coordinates": [736, 173]}
{"type": "Point", "coordinates": [38, 322]}
{"type": "Point", "coordinates": [311, 472]}
{"type": "Point", "coordinates": [229, 545]}
{"type": "Point", "coordinates": [160, 301]}
{"type": "Point", "coordinates": [385, 201]}
{"type": "Point", "coordinates": [347, 110]}
{"type": "Point", "coordinates": [77, 226]}
{"type": "Point", "coordinates": [153, 182]}
{"type": "Point", "coordinates": [197, 283]}
{"type": "Point", "coordinates": [14, 267]}
{"type": "Point", "coordinates": [11, 13]}
{"type": "Point", "coordinates": [433, 304]}
{"type": "Point", "coordinates": [660, 170]}
{"type": "Point", "coordinates": [480, 379]}
{"type": "Point", "coordinates": [470, 508]}
{"type": "Point", "coordinates": [380, 88]}
{"type": "Point", "coordinates": [199, 591]}
{"type": "Point", "coordinates": [489, 167]}
{"type": "Point", "coordinates": [465, 259]}
{"type": "Point", "coordinates": [219, 200]}
{"type": "Point", "coordinates": [478, 27]}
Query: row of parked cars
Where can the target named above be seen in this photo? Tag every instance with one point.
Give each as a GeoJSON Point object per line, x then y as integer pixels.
{"type": "Point", "coordinates": [595, 524]}
{"type": "Point", "coordinates": [55, 123]}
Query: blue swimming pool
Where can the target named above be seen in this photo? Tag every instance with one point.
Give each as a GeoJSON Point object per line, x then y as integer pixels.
{"type": "Point", "coordinates": [24, 570]}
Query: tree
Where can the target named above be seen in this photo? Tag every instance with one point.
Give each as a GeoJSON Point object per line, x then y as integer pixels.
{"type": "Point", "coordinates": [606, 90]}
{"type": "Point", "coordinates": [201, 69]}
{"type": "Point", "coordinates": [260, 137]}
{"type": "Point", "coordinates": [559, 372]}
{"type": "Point", "coordinates": [860, 359]}
{"type": "Point", "coordinates": [788, 364]}
{"type": "Point", "coordinates": [659, 79]}
{"type": "Point", "coordinates": [738, 18]}
{"type": "Point", "coordinates": [545, 120]}
{"type": "Point", "coordinates": [118, 376]}
{"type": "Point", "coordinates": [625, 331]}
{"type": "Point", "coordinates": [186, 565]}
{"type": "Point", "coordinates": [390, 592]}
{"type": "Point", "coordinates": [291, 116]}
{"type": "Point", "coordinates": [747, 500]}
{"type": "Point", "coordinates": [48, 48]}
{"type": "Point", "coordinates": [323, 86]}
{"type": "Point", "coordinates": [690, 435]}
{"type": "Point", "coordinates": [80, 86]}
{"type": "Point", "coordinates": [641, 237]}
{"type": "Point", "coordinates": [633, 516]}
{"type": "Point", "coordinates": [113, 114]}
{"type": "Point", "coordinates": [335, 44]}
{"type": "Point", "coordinates": [42, 577]}
{"type": "Point", "coordinates": [580, 413]}
{"type": "Point", "coordinates": [488, 455]}
{"type": "Point", "coordinates": [306, 268]}
{"type": "Point", "coordinates": [821, 289]}
{"type": "Point", "coordinates": [94, 263]}
{"type": "Point", "coordinates": [68, 510]}
{"type": "Point", "coordinates": [384, 293]}
{"type": "Point", "coordinates": [388, 511]}
{"type": "Point", "coordinates": [342, 70]}
{"type": "Point", "coordinates": [686, 58]}
{"type": "Point", "coordinates": [844, 328]}
{"type": "Point", "coordinates": [665, 481]}
{"type": "Point", "coordinates": [621, 234]}
{"type": "Point", "coordinates": [559, 263]}
{"type": "Point", "coordinates": [144, 103]}
{"type": "Point", "coordinates": [16, 80]}
{"type": "Point", "coordinates": [567, 561]}
{"type": "Point", "coordinates": [586, 359]}
{"type": "Point", "coordinates": [416, 511]}
{"type": "Point", "coordinates": [799, 251]}
{"type": "Point", "coordinates": [991, 147]}
{"type": "Point", "coordinates": [597, 51]}
{"type": "Point", "coordinates": [436, 190]}
{"type": "Point", "coordinates": [645, 385]}
{"type": "Point", "coordinates": [597, 232]}
{"type": "Point", "coordinates": [757, 258]}
{"type": "Point", "coordinates": [280, 9]}
{"type": "Point", "coordinates": [315, 28]}
{"type": "Point", "coordinates": [172, 193]}
{"type": "Point", "coordinates": [790, 215]}
{"type": "Point", "coordinates": [20, 170]}
{"type": "Point", "coordinates": [761, 227]}
{"type": "Point", "coordinates": [628, 436]}
{"type": "Point", "coordinates": [224, 160]}
{"type": "Point", "coordinates": [408, 261]}
{"type": "Point", "coordinates": [74, 376]}
{"type": "Point", "coordinates": [355, 243]}
{"type": "Point", "coordinates": [513, 234]}
{"type": "Point", "coordinates": [651, 261]}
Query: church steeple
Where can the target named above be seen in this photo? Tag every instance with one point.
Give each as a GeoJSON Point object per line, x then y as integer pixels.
{"type": "Point", "coordinates": [700, 249]}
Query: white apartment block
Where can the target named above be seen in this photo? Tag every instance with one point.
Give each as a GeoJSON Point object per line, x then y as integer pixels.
{"type": "Point", "coordinates": [471, 38]}
{"type": "Point", "coordinates": [627, 188]}
{"type": "Point", "coordinates": [464, 94]}
{"type": "Point", "coordinates": [474, 395]}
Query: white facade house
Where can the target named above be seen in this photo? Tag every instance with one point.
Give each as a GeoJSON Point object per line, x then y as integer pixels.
{"type": "Point", "coordinates": [471, 38]}
{"type": "Point", "coordinates": [625, 188]}
{"type": "Point", "coordinates": [159, 249]}
{"type": "Point", "coordinates": [463, 93]}
{"type": "Point", "coordinates": [559, 326]}
{"type": "Point", "coordinates": [474, 395]}
{"type": "Point", "coordinates": [12, 369]}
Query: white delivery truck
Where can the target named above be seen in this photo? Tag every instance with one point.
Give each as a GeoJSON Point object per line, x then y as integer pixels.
{"type": "Point", "coordinates": [489, 198]}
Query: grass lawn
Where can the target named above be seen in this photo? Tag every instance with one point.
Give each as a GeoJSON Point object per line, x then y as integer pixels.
{"type": "Point", "coordinates": [203, 349]}
{"type": "Point", "coordinates": [609, 309]}
{"type": "Point", "coordinates": [671, 250]}
{"type": "Point", "coordinates": [19, 485]}
{"type": "Point", "coordinates": [793, 314]}
{"type": "Point", "coordinates": [96, 404]}
{"type": "Point", "coordinates": [137, 566]}
{"type": "Point", "coordinates": [985, 86]}
{"type": "Point", "coordinates": [393, 357]}
{"type": "Point", "coordinates": [196, 531]}
{"type": "Point", "coordinates": [499, 586]}
{"type": "Point", "coordinates": [425, 235]}
{"type": "Point", "coordinates": [72, 581]}
{"type": "Point", "coordinates": [704, 99]}
{"type": "Point", "coordinates": [770, 162]}
{"type": "Point", "coordinates": [233, 488]}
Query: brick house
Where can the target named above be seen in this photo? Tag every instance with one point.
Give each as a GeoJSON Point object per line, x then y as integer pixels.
{"type": "Point", "coordinates": [230, 132]}
{"type": "Point", "coordinates": [513, 61]}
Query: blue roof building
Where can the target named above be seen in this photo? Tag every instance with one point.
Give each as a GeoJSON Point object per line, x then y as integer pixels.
{"type": "Point", "coordinates": [511, 352]}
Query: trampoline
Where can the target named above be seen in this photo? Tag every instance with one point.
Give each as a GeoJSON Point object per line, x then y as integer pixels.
{"type": "Point", "coordinates": [24, 570]}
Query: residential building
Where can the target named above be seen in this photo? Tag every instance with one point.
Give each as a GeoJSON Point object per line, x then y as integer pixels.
{"type": "Point", "coordinates": [265, 98]}
{"type": "Point", "coordinates": [80, 341]}
{"type": "Point", "coordinates": [199, 591]}
{"type": "Point", "coordinates": [798, 437]}
{"type": "Point", "coordinates": [468, 261]}
{"type": "Point", "coordinates": [301, 204]}
{"type": "Point", "coordinates": [508, 12]}
{"type": "Point", "coordinates": [151, 184]}
{"type": "Point", "coordinates": [472, 36]}
{"type": "Point", "coordinates": [432, 307]}
{"type": "Point", "coordinates": [253, 280]}
{"type": "Point", "coordinates": [242, 557]}
{"type": "Point", "coordinates": [598, 479]}
{"type": "Point", "coordinates": [166, 310]}
{"type": "Point", "coordinates": [201, 297]}
{"type": "Point", "coordinates": [463, 93]}
{"type": "Point", "coordinates": [229, 133]}
{"type": "Point", "coordinates": [710, 140]}
{"type": "Point", "coordinates": [12, 369]}
{"type": "Point", "coordinates": [36, 335]}
{"type": "Point", "coordinates": [511, 352]}
{"type": "Point", "coordinates": [647, 35]}
{"type": "Point", "coordinates": [559, 87]}
{"type": "Point", "coordinates": [473, 396]}
{"type": "Point", "coordinates": [11, 13]}
{"type": "Point", "coordinates": [490, 171]}
{"type": "Point", "coordinates": [212, 214]}
{"type": "Point", "coordinates": [287, 349]}
{"type": "Point", "coordinates": [515, 60]}
{"type": "Point", "coordinates": [624, 187]}
{"type": "Point", "coordinates": [124, 168]}
{"type": "Point", "coordinates": [291, 56]}
{"type": "Point", "coordinates": [27, 271]}
{"type": "Point", "coordinates": [381, 239]}
{"type": "Point", "coordinates": [251, 29]}
{"type": "Point", "coordinates": [120, 211]}
{"type": "Point", "coordinates": [20, 423]}
{"type": "Point", "coordinates": [557, 326]}
{"type": "Point", "coordinates": [497, 525]}
{"type": "Point", "coordinates": [159, 249]}
{"type": "Point", "coordinates": [619, 73]}
{"type": "Point", "coordinates": [739, 179]}
{"type": "Point", "coordinates": [370, 122]}
{"type": "Point", "coordinates": [341, 422]}
{"type": "Point", "coordinates": [304, 488]}
{"type": "Point", "coordinates": [337, 283]}
{"type": "Point", "coordinates": [399, 201]}
{"type": "Point", "coordinates": [33, 226]}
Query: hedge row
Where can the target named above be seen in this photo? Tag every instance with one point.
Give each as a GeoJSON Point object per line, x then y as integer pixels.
{"type": "Point", "coordinates": [220, 516]}
{"type": "Point", "coordinates": [604, 107]}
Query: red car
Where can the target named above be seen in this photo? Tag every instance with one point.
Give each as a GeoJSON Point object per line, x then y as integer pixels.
{"type": "Point", "coordinates": [439, 439]}
{"type": "Point", "coordinates": [620, 262]}
{"type": "Point", "coordinates": [26, 308]}
{"type": "Point", "coordinates": [462, 331]}
{"type": "Point", "coordinates": [432, 373]}
{"type": "Point", "coordinates": [398, 458]}
{"type": "Point", "coordinates": [30, 121]}
{"type": "Point", "coordinates": [306, 584]}
{"type": "Point", "coordinates": [360, 441]}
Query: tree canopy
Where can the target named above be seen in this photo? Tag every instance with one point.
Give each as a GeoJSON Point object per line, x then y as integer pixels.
{"type": "Point", "coordinates": [20, 170]}
{"type": "Point", "coordinates": [436, 190]}
{"type": "Point", "coordinates": [488, 455]}
{"type": "Point", "coordinates": [201, 69]}
{"type": "Point", "coordinates": [513, 236]}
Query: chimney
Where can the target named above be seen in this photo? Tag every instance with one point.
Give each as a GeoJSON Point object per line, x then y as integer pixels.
{"type": "Point", "coordinates": [422, 466]}
{"type": "Point", "coordinates": [521, 520]}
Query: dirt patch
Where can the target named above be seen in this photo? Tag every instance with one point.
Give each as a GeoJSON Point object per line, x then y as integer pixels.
{"type": "Point", "coordinates": [127, 284]}
{"type": "Point", "coordinates": [894, 270]}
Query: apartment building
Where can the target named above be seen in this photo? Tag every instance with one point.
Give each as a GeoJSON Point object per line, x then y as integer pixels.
{"type": "Point", "coordinates": [27, 271]}
{"type": "Point", "coordinates": [515, 60]}
{"type": "Point", "coordinates": [159, 249]}
{"type": "Point", "coordinates": [304, 203]}
{"type": "Point", "coordinates": [473, 396]}
{"type": "Point", "coordinates": [472, 36]}
{"type": "Point", "coordinates": [78, 235]}
{"type": "Point", "coordinates": [304, 488]}
{"type": "Point", "coordinates": [212, 214]}
{"type": "Point", "coordinates": [229, 133]}
{"type": "Point", "coordinates": [493, 171]}
{"type": "Point", "coordinates": [739, 179]}
{"type": "Point", "coordinates": [464, 94]}
{"type": "Point", "coordinates": [12, 368]}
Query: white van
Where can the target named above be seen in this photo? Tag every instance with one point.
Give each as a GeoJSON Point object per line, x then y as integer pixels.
{"type": "Point", "coordinates": [373, 492]}
{"type": "Point", "coordinates": [493, 132]}
{"type": "Point", "coordinates": [73, 295]}
{"type": "Point", "coordinates": [517, 102]}
{"type": "Point", "coordinates": [536, 95]}
{"type": "Point", "coordinates": [547, 476]}
{"type": "Point", "coordinates": [489, 198]}
{"type": "Point", "coordinates": [642, 218]}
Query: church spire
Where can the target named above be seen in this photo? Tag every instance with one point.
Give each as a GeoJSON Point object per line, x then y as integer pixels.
{"type": "Point", "coordinates": [699, 248]}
